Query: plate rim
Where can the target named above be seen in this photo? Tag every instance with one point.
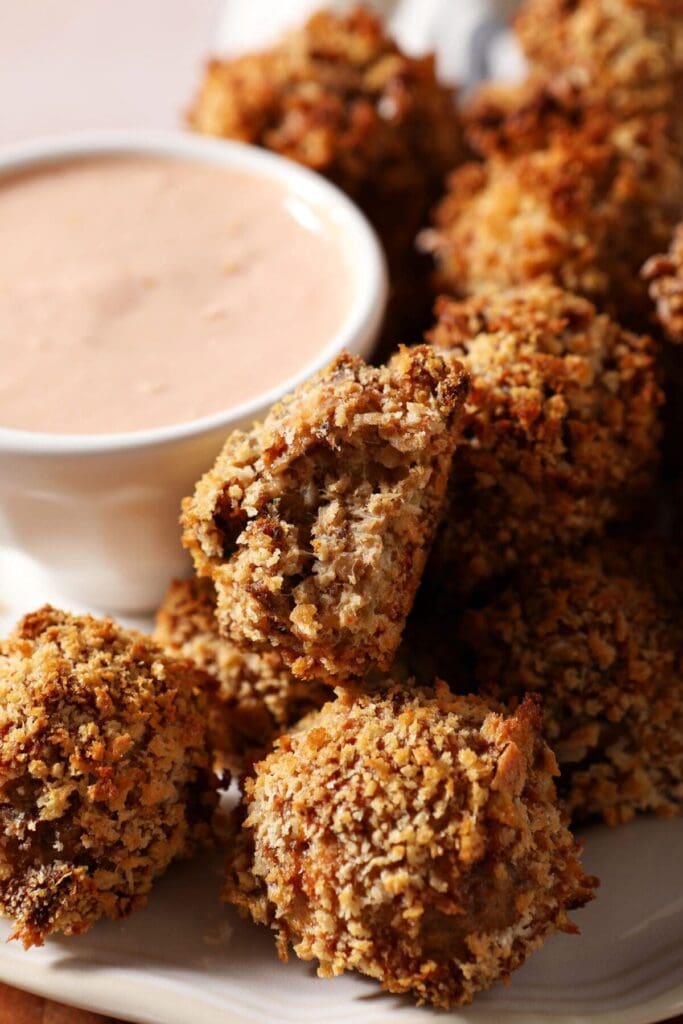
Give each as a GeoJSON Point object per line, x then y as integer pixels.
{"type": "Point", "coordinates": [149, 1002]}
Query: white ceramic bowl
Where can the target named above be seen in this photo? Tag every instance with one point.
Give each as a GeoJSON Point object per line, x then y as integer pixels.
{"type": "Point", "coordinates": [100, 512]}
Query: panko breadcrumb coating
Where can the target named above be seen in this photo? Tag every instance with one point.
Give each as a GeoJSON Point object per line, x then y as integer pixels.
{"type": "Point", "coordinates": [315, 526]}
{"type": "Point", "coordinates": [509, 118]}
{"type": "Point", "coordinates": [340, 97]}
{"type": "Point", "coordinates": [559, 434]}
{"type": "Point", "coordinates": [625, 52]}
{"type": "Point", "coordinates": [256, 697]}
{"type": "Point", "coordinates": [604, 649]}
{"type": "Point", "coordinates": [412, 836]}
{"type": "Point", "coordinates": [104, 771]}
{"type": "Point", "coordinates": [664, 274]}
{"type": "Point", "coordinates": [586, 210]}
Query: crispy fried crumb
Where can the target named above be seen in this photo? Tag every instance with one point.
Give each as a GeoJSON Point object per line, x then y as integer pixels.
{"type": "Point", "coordinates": [585, 209]}
{"type": "Point", "coordinates": [257, 697]}
{"type": "Point", "coordinates": [508, 119]}
{"type": "Point", "coordinates": [603, 645]}
{"type": "Point", "coordinates": [664, 275]}
{"type": "Point", "coordinates": [627, 53]}
{"type": "Point", "coordinates": [340, 97]}
{"type": "Point", "coordinates": [559, 434]}
{"type": "Point", "coordinates": [104, 771]}
{"type": "Point", "coordinates": [413, 836]}
{"type": "Point", "coordinates": [315, 525]}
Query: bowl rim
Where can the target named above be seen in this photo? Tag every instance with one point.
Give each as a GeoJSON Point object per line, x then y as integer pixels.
{"type": "Point", "coordinates": [355, 333]}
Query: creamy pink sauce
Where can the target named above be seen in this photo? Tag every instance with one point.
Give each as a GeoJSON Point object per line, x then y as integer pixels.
{"type": "Point", "coordinates": [140, 292]}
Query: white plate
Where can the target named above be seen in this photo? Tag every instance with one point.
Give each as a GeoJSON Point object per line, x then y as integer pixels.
{"type": "Point", "coordinates": [186, 958]}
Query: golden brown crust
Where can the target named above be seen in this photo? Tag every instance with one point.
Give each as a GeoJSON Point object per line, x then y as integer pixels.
{"type": "Point", "coordinates": [315, 525]}
{"type": "Point", "coordinates": [664, 275]}
{"type": "Point", "coordinates": [256, 697]}
{"type": "Point", "coordinates": [510, 118]}
{"type": "Point", "coordinates": [586, 210]}
{"type": "Point", "coordinates": [603, 646]}
{"type": "Point", "coordinates": [413, 836]}
{"type": "Point", "coordinates": [559, 434]}
{"type": "Point", "coordinates": [340, 97]}
{"type": "Point", "coordinates": [104, 771]}
{"type": "Point", "coordinates": [625, 52]}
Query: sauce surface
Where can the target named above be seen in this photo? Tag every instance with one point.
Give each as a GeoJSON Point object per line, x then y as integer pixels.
{"type": "Point", "coordinates": [140, 292]}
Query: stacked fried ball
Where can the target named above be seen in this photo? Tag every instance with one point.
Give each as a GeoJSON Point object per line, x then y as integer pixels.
{"type": "Point", "coordinates": [316, 525]}
{"type": "Point", "coordinates": [481, 509]}
{"type": "Point", "coordinates": [582, 199]}
{"type": "Point", "coordinates": [626, 53]}
{"type": "Point", "coordinates": [255, 697]}
{"type": "Point", "coordinates": [560, 429]}
{"type": "Point", "coordinates": [104, 771]}
{"type": "Point", "coordinates": [603, 645]}
{"type": "Point", "coordinates": [413, 836]}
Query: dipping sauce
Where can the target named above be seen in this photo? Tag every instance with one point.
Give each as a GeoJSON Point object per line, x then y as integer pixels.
{"type": "Point", "coordinates": [140, 292]}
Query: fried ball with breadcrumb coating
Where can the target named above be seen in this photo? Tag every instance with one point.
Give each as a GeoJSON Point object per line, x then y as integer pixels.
{"type": "Point", "coordinates": [628, 53]}
{"type": "Point", "coordinates": [104, 771]}
{"type": "Point", "coordinates": [603, 645]}
{"type": "Point", "coordinates": [340, 97]}
{"type": "Point", "coordinates": [413, 836]}
{"type": "Point", "coordinates": [315, 526]}
{"type": "Point", "coordinates": [664, 275]}
{"type": "Point", "coordinates": [510, 118]}
{"type": "Point", "coordinates": [585, 210]}
{"type": "Point", "coordinates": [560, 433]}
{"type": "Point", "coordinates": [256, 697]}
